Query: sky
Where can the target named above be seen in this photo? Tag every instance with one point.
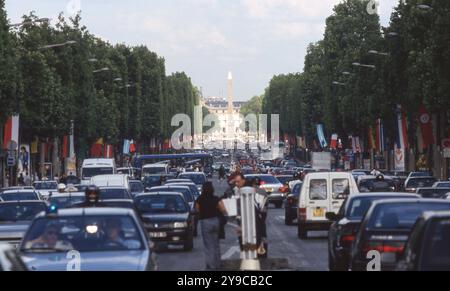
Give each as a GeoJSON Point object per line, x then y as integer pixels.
{"type": "Point", "coordinates": [255, 39]}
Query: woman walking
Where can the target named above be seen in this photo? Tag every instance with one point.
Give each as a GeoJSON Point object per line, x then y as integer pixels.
{"type": "Point", "coordinates": [210, 209]}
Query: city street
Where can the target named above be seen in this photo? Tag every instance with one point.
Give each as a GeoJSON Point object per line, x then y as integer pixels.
{"type": "Point", "coordinates": [302, 255]}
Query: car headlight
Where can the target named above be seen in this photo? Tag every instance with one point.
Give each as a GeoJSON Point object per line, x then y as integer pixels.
{"type": "Point", "coordinates": [180, 225]}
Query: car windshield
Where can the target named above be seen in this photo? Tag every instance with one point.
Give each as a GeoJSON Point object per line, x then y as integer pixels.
{"type": "Point", "coordinates": [420, 182]}
{"type": "Point", "coordinates": [63, 202]}
{"type": "Point", "coordinates": [443, 185]}
{"type": "Point", "coordinates": [401, 215]}
{"type": "Point", "coordinates": [82, 233]}
{"type": "Point", "coordinates": [20, 211]}
{"type": "Point", "coordinates": [154, 170]}
{"type": "Point", "coordinates": [46, 186]}
{"type": "Point", "coordinates": [198, 179]}
{"type": "Point", "coordinates": [420, 174]}
{"type": "Point", "coordinates": [107, 194]}
{"type": "Point", "coordinates": [357, 207]}
{"type": "Point", "coordinates": [437, 247]}
{"type": "Point", "coordinates": [161, 204]}
{"type": "Point", "coordinates": [91, 172]}
{"type": "Point", "coordinates": [186, 193]}
{"type": "Point", "coordinates": [12, 196]}
{"type": "Point", "coordinates": [136, 187]}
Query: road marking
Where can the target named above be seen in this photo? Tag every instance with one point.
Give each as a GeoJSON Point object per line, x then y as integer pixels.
{"type": "Point", "coordinates": [228, 254]}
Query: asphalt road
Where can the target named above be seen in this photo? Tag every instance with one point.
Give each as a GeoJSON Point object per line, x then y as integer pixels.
{"type": "Point", "coordinates": [309, 255]}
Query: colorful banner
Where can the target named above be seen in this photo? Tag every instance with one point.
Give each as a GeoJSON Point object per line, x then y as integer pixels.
{"type": "Point", "coordinates": [399, 159]}
{"type": "Point", "coordinates": [126, 147]}
{"type": "Point", "coordinates": [334, 141]}
{"type": "Point", "coordinates": [426, 127]}
{"type": "Point", "coordinates": [380, 141]}
{"type": "Point", "coordinates": [65, 147]}
{"type": "Point", "coordinates": [132, 147]}
{"type": "Point", "coordinates": [11, 131]}
{"type": "Point", "coordinates": [321, 136]}
{"type": "Point", "coordinates": [402, 132]}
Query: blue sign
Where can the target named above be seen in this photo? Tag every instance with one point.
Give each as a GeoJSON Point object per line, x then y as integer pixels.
{"type": "Point", "coordinates": [11, 161]}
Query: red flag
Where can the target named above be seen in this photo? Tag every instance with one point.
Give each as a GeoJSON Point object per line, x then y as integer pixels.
{"type": "Point", "coordinates": [334, 141]}
{"type": "Point", "coordinates": [370, 139]}
{"type": "Point", "coordinates": [65, 147]}
{"type": "Point", "coordinates": [109, 151]}
{"type": "Point", "coordinates": [426, 127]}
{"type": "Point", "coordinates": [11, 130]}
{"type": "Point", "coordinates": [132, 147]}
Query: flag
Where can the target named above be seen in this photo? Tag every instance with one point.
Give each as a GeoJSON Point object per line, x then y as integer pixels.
{"type": "Point", "coordinates": [379, 142]}
{"type": "Point", "coordinates": [358, 145]}
{"type": "Point", "coordinates": [65, 147]}
{"type": "Point", "coordinates": [132, 147]}
{"type": "Point", "coordinates": [109, 151]}
{"type": "Point", "coordinates": [97, 148]}
{"type": "Point", "coordinates": [334, 141]}
{"type": "Point", "coordinates": [371, 142]}
{"type": "Point", "coordinates": [426, 127]}
{"type": "Point", "coordinates": [11, 130]}
{"type": "Point", "coordinates": [402, 134]}
{"type": "Point", "coordinates": [353, 140]}
{"type": "Point", "coordinates": [321, 136]}
{"type": "Point", "coordinates": [126, 147]}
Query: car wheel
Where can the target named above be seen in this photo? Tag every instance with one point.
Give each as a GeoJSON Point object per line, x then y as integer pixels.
{"type": "Point", "coordinates": [302, 232]}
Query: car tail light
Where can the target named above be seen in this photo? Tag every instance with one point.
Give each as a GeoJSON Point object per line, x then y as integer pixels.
{"type": "Point", "coordinates": [302, 214]}
{"type": "Point", "coordinates": [283, 189]}
{"type": "Point", "coordinates": [385, 247]}
{"type": "Point", "coordinates": [347, 240]}
{"type": "Point", "coordinates": [261, 184]}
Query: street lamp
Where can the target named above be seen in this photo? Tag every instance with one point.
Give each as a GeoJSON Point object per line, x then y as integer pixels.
{"type": "Point", "coordinates": [93, 60]}
{"type": "Point", "coordinates": [424, 7]}
{"type": "Point", "coordinates": [69, 42]}
{"type": "Point", "coordinates": [364, 65]}
{"type": "Point", "coordinates": [117, 79]}
{"type": "Point", "coordinates": [105, 69]}
{"type": "Point", "coordinates": [30, 22]}
{"type": "Point", "coordinates": [374, 52]}
{"type": "Point", "coordinates": [339, 83]}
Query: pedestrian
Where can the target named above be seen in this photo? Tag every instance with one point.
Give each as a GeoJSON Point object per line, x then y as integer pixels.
{"type": "Point", "coordinates": [20, 181]}
{"type": "Point", "coordinates": [221, 172]}
{"type": "Point", "coordinates": [210, 208]}
{"type": "Point", "coordinates": [27, 179]}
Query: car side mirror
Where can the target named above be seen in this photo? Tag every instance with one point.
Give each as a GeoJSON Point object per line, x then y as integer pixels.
{"type": "Point", "coordinates": [332, 216]}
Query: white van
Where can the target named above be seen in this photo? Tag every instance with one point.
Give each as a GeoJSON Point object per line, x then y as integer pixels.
{"type": "Point", "coordinates": [321, 193]}
{"type": "Point", "coordinates": [118, 180]}
{"type": "Point", "coordinates": [95, 167]}
{"type": "Point", "coordinates": [155, 169]}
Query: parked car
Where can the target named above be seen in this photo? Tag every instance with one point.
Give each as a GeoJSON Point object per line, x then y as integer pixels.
{"type": "Point", "coordinates": [428, 247]}
{"type": "Point", "coordinates": [291, 204]}
{"type": "Point", "coordinates": [322, 193]}
{"type": "Point", "coordinates": [346, 223]}
{"type": "Point", "coordinates": [386, 228]}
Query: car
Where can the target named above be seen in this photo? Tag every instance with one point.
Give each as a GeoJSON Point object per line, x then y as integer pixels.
{"type": "Point", "coordinates": [14, 195]}
{"type": "Point", "coordinates": [442, 184]}
{"type": "Point", "coordinates": [81, 187]}
{"type": "Point", "coordinates": [428, 247]}
{"type": "Point", "coordinates": [119, 203]}
{"type": "Point", "coordinates": [155, 169]}
{"type": "Point", "coordinates": [108, 193]}
{"type": "Point", "coordinates": [321, 193]}
{"type": "Point", "coordinates": [15, 217]}
{"type": "Point", "coordinates": [360, 171]}
{"type": "Point", "coordinates": [167, 218]}
{"type": "Point", "coordinates": [198, 178]}
{"type": "Point", "coordinates": [291, 204]}
{"type": "Point", "coordinates": [136, 187]}
{"type": "Point", "coordinates": [376, 184]}
{"type": "Point", "coordinates": [16, 188]}
{"type": "Point", "coordinates": [346, 223]}
{"type": "Point", "coordinates": [411, 184]}
{"type": "Point", "coordinates": [116, 180]}
{"type": "Point", "coordinates": [156, 180]}
{"type": "Point", "coordinates": [285, 179]}
{"type": "Point", "coordinates": [67, 200]}
{"type": "Point", "coordinates": [174, 181]}
{"type": "Point", "coordinates": [431, 192]}
{"type": "Point", "coordinates": [275, 189]}
{"type": "Point", "coordinates": [93, 235]}
{"type": "Point", "coordinates": [96, 167]}
{"type": "Point", "coordinates": [10, 259]}
{"type": "Point", "coordinates": [189, 184]}
{"type": "Point", "coordinates": [419, 174]}
{"type": "Point", "coordinates": [133, 173]}
{"type": "Point", "coordinates": [386, 228]}
{"type": "Point", "coordinates": [44, 188]}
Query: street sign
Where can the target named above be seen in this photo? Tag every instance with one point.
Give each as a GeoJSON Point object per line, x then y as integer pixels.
{"type": "Point", "coordinates": [11, 145]}
{"type": "Point", "coordinates": [11, 161]}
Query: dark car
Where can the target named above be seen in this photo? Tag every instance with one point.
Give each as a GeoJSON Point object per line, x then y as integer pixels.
{"type": "Point", "coordinates": [136, 187]}
{"type": "Point", "coordinates": [411, 184]}
{"type": "Point", "coordinates": [428, 247]}
{"type": "Point", "coordinates": [14, 195]}
{"type": "Point", "coordinates": [429, 192]}
{"type": "Point", "coordinates": [386, 229]}
{"type": "Point", "coordinates": [376, 184]}
{"type": "Point", "coordinates": [198, 178]}
{"type": "Point", "coordinates": [15, 217]}
{"type": "Point", "coordinates": [150, 181]}
{"type": "Point", "coordinates": [119, 203]}
{"type": "Point", "coordinates": [67, 200]}
{"type": "Point", "coordinates": [346, 224]}
{"type": "Point", "coordinates": [108, 193]}
{"type": "Point", "coordinates": [291, 204]}
{"type": "Point", "coordinates": [167, 218]}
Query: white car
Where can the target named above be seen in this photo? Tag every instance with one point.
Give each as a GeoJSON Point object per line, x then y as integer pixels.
{"type": "Point", "coordinates": [447, 196]}
{"type": "Point", "coordinates": [118, 180]}
{"type": "Point", "coordinates": [321, 193]}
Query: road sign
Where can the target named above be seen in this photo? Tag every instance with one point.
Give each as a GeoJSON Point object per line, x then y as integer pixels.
{"type": "Point", "coordinates": [11, 161]}
{"type": "Point", "coordinates": [11, 145]}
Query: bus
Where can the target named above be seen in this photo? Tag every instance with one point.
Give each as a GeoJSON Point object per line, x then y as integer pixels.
{"type": "Point", "coordinates": [177, 160]}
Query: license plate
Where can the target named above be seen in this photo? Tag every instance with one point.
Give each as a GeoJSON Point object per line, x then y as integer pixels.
{"type": "Point", "coordinates": [158, 234]}
{"type": "Point", "coordinates": [319, 212]}
{"type": "Point", "coordinates": [270, 190]}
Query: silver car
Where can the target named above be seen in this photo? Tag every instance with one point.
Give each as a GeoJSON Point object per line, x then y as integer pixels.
{"type": "Point", "coordinates": [276, 191]}
{"type": "Point", "coordinates": [87, 239]}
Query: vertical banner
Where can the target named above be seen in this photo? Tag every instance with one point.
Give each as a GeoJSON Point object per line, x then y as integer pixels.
{"type": "Point", "coordinates": [71, 141]}
{"type": "Point", "coordinates": [65, 147]}
{"type": "Point", "coordinates": [321, 136]}
{"type": "Point", "coordinates": [399, 159]}
{"type": "Point", "coordinates": [132, 147]}
{"type": "Point", "coordinates": [371, 142]}
{"type": "Point", "coordinates": [380, 143]}
{"type": "Point", "coordinates": [426, 127]}
{"type": "Point", "coordinates": [402, 133]}
{"type": "Point", "coordinates": [126, 147]}
{"type": "Point", "coordinates": [334, 141]}
{"type": "Point", "coordinates": [11, 130]}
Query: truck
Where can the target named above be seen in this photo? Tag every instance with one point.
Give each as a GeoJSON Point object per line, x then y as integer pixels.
{"type": "Point", "coordinates": [321, 161]}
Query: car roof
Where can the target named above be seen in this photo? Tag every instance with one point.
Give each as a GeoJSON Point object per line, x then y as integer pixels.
{"type": "Point", "coordinates": [67, 194]}
{"type": "Point", "coordinates": [169, 186]}
{"type": "Point", "coordinates": [91, 211]}
{"type": "Point", "coordinates": [160, 193]}
{"type": "Point", "coordinates": [19, 191]}
{"type": "Point", "coordinates": [436, 214]}
{"type": "Point", "coordinates": [411, 201]}
{"type": "Point", "coordinates": [22, 201]}
{"type": "Point", "coordinates": [383, 194]}
{"type": "Point", "coordinates": [112, 187]}
{"type": "Point", "coordinates": [49, 181]}
{"type": "Point", "coordinates": [192, 173]}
